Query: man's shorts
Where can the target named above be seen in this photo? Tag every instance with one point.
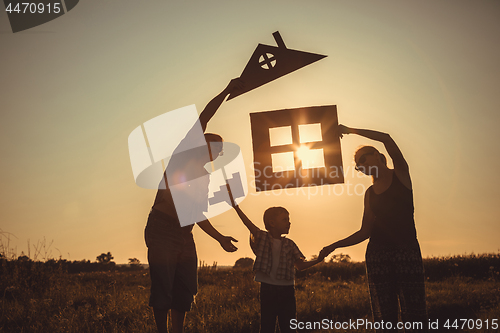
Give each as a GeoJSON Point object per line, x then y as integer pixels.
{"type": "Point", "coordinates": [172, 263]}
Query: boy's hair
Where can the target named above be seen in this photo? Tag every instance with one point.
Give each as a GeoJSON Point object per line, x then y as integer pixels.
{"type": "Point", "coordinates": [271, 213]}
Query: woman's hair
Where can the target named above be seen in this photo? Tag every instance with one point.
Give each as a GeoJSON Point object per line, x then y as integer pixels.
{"type": "Point", "coordinates": [371, 149]}
{"type": "Point", "coordinates": [271, 213]}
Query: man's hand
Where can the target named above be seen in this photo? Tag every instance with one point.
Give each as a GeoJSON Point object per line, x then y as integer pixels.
{"type": "Point", "coordinates": [234, 85]}
{"type": "Point", "coordinates": [212, 106]}
{"type": "Point", "coordinates": [226, 243]}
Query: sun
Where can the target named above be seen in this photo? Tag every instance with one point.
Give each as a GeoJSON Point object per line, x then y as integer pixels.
{"type": "Point", "coordinates": [303, 152]}
{"type": "Point", "coordinates": [310, 158]}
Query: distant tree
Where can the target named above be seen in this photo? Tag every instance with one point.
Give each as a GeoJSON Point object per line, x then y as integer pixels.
{"type": "Point", "coordinates": [134, 261]}
{"type": "Point", "coordinates": [23, 257]}
{"type": "Point", "coordinates": [344, 258]}
{"type": "Point", "coordinates": [134, 264]}
{"type": "Point", "coordinates": [243, 263]}
{"type": "Point", "coordinates": [104, 258]}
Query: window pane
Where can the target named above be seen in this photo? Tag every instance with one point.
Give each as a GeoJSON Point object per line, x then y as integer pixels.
{"type": "Point", "coordinates": [283, 161]}
{"type": "Point", "coordinates": [310, 133]}
{"type": "Point", "coordinates": [312, 158]}
{"type": "Point", "coordinates": [280, 136]}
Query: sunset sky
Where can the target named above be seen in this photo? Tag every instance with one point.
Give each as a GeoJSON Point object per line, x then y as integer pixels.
{"type": "Point", "coordinates": [73, 89]}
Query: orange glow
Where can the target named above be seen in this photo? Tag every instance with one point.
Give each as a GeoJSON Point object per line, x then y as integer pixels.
{"type": "Point", "coordinates": [311, 158]}
{"type": "Point", "coordinates": [303, 152]}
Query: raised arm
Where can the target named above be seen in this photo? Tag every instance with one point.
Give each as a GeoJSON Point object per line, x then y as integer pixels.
{"type": "Point", "coordinates": [390, 145]}
{"type": "Point", "coordinates": [357, 237]}
{"type": "Point", "coordinates": [400, 165]}
{"type": "Point", "coordinates": [254, 230]}
{"type": "Point", "coordinates": [212, 106]}
{"type": "Point", "coordinates": [224, 241]}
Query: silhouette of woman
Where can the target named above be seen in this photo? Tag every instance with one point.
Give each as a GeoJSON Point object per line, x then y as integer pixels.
{"type": "Point", "coordinates": [393, 258]}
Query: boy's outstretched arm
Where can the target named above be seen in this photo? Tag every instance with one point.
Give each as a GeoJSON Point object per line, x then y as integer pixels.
{"type": "Point", "coordinates": [302, 264]}
{"type": "Point", "coordinates": [254, 230]}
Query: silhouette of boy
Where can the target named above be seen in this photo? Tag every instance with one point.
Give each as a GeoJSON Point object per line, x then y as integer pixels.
{"type": "Point", "coordinates": [276, 259]}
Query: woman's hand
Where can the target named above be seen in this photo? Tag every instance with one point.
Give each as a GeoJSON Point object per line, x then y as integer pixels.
{"type": "Point", "coordinates": [341, 130]}
{"type": "Point", "coordinates": [326, 251]}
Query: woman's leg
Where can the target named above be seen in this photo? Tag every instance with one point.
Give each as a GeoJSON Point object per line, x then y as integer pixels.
{"type": "Point", "coordinates": [412, 291]}
{"type": "Point", "coordinates": [383, 288]}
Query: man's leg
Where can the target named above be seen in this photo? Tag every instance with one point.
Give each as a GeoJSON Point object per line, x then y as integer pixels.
{"type": "Point", "coordinates": [161, 320]}
{"type": "Point", "coordinates": [164, 246]}
{"type": "Point", "coordinates": [185, 284]}
{"type": "Point", "coordinates": [177, 320]}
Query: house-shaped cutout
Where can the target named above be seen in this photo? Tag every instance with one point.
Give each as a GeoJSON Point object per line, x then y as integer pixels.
{"type": "Point", "coordinates": [270, 62]}
{"type": "Point", "coordinates": [296, 148]}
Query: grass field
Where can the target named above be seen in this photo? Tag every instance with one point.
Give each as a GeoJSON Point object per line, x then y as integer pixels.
{"type": "Point", "coordinates": [46, 297]}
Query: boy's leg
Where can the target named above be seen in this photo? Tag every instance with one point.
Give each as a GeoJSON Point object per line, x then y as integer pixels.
{"type": "Point", "coordinates": [287, 308]}
{"type": "Point", "coordinates": [268, 308]}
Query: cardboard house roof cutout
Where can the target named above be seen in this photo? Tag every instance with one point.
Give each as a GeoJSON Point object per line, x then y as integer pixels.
{"type": "Point", "coordinates": [296, 148]}
{"type": "Point", "coordinates": [270, 62]}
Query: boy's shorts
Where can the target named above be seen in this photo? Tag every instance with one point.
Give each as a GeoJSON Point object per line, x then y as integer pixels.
{"type": "Point", "coordinates": [172, 263]}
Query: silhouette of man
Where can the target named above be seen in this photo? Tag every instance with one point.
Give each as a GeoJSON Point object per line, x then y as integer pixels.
{"type": "Point", "coordinates": [171, 249]}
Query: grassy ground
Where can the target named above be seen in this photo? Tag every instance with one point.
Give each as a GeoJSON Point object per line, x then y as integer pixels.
{"type": "Point", "coordinates": [39, 298]}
